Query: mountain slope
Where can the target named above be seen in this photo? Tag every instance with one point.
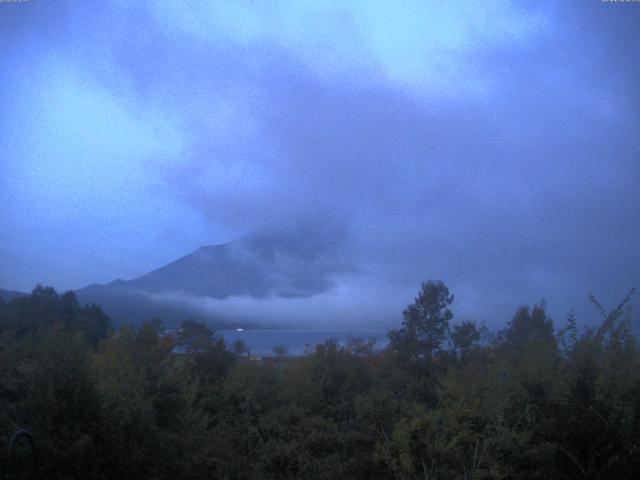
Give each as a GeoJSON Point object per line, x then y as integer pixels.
{"type": "Point", "coordinates": [266, 264]}
{"type": "Point", "coordinates": [8, 295]}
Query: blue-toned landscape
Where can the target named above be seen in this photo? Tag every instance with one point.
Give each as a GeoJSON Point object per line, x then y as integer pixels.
{"type": "Point", "coordinates": [297, 342]}
{"type": "Point", "coordinates": [319, 239]}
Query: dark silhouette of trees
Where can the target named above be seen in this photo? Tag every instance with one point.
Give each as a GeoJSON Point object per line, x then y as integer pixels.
{"type": "Point", "coordinates": [425, 323]}
{"type": "Point", "coordinates": [444, 401]}
{"type": "Point", "coordinates": [280, 351]}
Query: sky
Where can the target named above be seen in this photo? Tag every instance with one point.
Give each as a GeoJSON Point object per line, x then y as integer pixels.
{"type": "Point", "coordinates": [491, 144]}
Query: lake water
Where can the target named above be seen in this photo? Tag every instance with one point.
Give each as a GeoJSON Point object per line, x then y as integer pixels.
{"type": "Point", "coordinates": [261, 342]}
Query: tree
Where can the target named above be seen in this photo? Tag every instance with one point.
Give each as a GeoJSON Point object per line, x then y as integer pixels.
{"type": "Point", "coordinates": [465, 336]}
{"type": "Point", "coordinates": [194, 337]}
{"type": "Point", "coordinates": [425, 322]}
{"type": "Point", "coordinates": [209, 359]}
{"type": "Point", "coordinates": [530, 327]}
{"type": "Point", "coordinates": [240, 347]}
{"type": "Point", "coordinates": [280, 351]}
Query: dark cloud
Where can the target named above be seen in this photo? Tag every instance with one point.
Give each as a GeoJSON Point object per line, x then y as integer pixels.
{"type": "Point", "coordinates": [525, 190]}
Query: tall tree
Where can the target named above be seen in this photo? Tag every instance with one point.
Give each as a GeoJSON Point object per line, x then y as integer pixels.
{"type": "Point", "coordinates": [425, 322]}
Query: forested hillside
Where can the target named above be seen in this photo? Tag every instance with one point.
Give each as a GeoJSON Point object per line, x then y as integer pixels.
{"type": "Point", "coordinates": [445, 400]}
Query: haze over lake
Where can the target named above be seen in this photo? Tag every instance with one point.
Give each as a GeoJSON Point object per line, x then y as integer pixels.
{"type": "Point", "coordinates": [297, 342]}
{"type": "Point", "coordinates": [319, 239]}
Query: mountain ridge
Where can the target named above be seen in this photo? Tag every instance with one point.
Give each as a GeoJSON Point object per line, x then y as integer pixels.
{"type": "Point", "coordinates": [258, 265]}
{"type": "Point", "coordinates": [8, 295]}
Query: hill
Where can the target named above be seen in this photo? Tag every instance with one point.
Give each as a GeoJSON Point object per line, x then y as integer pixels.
{"type": "Point", "coordinates": [8, 295]}
{"type": "Point", "coordinates": [260, 265]}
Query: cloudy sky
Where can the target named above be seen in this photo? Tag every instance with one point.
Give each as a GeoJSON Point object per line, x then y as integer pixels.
{"type": "Point", "coordinates": [491, 144]}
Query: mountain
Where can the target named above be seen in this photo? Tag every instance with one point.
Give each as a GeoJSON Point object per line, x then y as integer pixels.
{"type": "Point", "coordinates": [260, 265]}
{"type": "Point", "coordinates": [8, 295]}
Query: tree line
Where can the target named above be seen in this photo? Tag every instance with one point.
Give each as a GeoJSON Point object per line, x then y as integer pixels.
{"type": "Point", "coordinates": [444, 400]}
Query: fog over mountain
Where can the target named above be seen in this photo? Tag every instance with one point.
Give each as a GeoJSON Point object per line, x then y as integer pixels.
{"type": "Point", "coordinates": [8, 295]}
{"type": "Point", "coordinates": [490, 144]}
{"type": "Point", "coordinates": [238, 281]}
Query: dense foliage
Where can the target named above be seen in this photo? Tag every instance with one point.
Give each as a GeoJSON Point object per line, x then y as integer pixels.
{"type": "Point", "coordinates": [444, 401]}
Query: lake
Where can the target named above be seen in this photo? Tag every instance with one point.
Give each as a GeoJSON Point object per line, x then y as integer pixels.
{"type": "Point", "coordinates": [261, 342]}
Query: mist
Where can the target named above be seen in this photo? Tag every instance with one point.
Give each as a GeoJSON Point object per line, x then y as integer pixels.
{"type": "Point", "coordinates": [493, 146]}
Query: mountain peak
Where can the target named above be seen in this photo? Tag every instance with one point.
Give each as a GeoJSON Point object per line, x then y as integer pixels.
{"type": "Point", "coordinates": [260, 264]}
